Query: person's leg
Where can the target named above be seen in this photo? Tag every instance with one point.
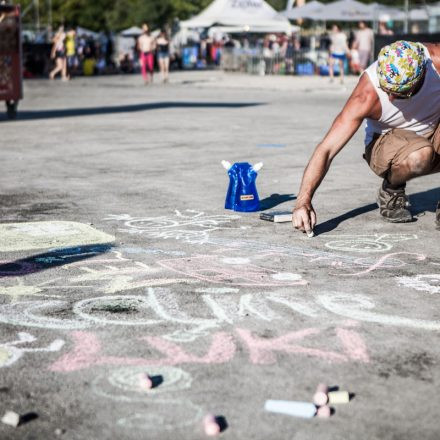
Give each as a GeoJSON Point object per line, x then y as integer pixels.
{"type": "Point", "coordinates": [150, 64]}
{"type": "Point", "coordinates": [143, 61]}
{"type": "Point", "coordinates": [399, 156]}
{"type": "Point", "coordinates": [341, 71]}
{"type": "Point", "coordinates": [167, 68]}
{"type": "Point", "coordinates": [58, 67]}
{"type": "Point", "coordinates": [330, 67]}
{"type": "Point", "coordinates": [161, 67]}
{"type": "Point", "coordinates": [64, 69]}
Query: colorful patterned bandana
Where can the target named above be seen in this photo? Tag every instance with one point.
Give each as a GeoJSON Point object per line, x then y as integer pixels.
{"type": "Point", "coordinates": [400, 65]}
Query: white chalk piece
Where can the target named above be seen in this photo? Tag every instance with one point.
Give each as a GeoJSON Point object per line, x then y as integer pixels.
{"type": "Point", "coordinates": [11, 418]}
{"type": "Point", "coordinates": [257, 167]}
{"type": "Point", "coordinates": [310, 234]}
{"type": "Point", "coordinates": [226, 164]}
{"type": "Point", "coordinates": [277, 216]}
{"type": "Point", "coordinates": [324, 412]}
{"type": "Point", "coordinates": [211, 426]}
{"type": "Point", "coordinates": [338, 397]}
{"type": "Point", "coordinates": [306, 410]}
{"type": "Point", "coordinates": [320, 397]}
{"type": "Point", "coordinates": [145, 381]}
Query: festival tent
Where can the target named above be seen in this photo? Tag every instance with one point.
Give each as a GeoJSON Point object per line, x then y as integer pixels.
{"type": "Point", "coordinates": [83, 32]}
{"type": "Point", "coordinates": [305, 11]}
{"type": "Point", "coordinates": [344, 10]}
{"type": "Point", "coordinates": [133, 31]}
{"type": "Point", "coordinates": [382, 12]}
{"type": "Point", "coordinates": [249, 15]}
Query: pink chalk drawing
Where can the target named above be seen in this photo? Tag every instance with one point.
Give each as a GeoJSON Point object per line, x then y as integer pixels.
{"type": "Point", "coordinates": [381, 262]}
{"type": "Point", "coordinates": [190, 227]}
{"type": "Point", "coordinates": [262, 350]}
{"type": "Point", "coordinates": [87, 350]}
{"type": "Point", "coordinates": [231, 271]}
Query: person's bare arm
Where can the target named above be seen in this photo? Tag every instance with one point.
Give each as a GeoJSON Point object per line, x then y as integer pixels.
{"type": "Point", "coordinates": [362, 103]}
{"type": "Point", "coordinates": [434, 52]}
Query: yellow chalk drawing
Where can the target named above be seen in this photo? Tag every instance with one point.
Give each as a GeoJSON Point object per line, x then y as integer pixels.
{"type": "Point", "coordinates": [14, 292]}
{"type": "Point", "coordinates": [51, 234]}
{"type": "Point", "coordinates": [4, 356]}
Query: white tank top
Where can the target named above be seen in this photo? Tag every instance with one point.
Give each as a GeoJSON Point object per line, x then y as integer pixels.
{"type": "Point", "coordinates": [420, 113]}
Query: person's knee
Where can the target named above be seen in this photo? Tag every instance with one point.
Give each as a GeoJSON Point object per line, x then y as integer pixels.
{"type": "Point", "coordinates": [420, 161]}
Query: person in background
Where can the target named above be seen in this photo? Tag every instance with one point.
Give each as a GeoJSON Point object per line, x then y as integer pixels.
{"type": "Point", "coordinates": [355, 65]}
{"type": "Point", "coordinates": [338, 51]}
{"type": "Point", "coordinates": [163, 55]}
{"type": "Point", "coordinates": [364, 44]}
{"type": "Point", "coordinates": [383, 29]}
{"type": "Point", "coordinates": [71, 52]}
{"type": "Point", "coordinates": [58, 53]}
{"type": "Point", "coordinates": [146, 47]}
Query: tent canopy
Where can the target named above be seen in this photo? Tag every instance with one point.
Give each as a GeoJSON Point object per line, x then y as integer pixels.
{"type": "Point", "coordinates": [248, 14]}
{"type": "Point", "coordinates": [133, 31]}
{"type": "Point", "coordinates": [306, 11]}
{"type": "Point", "coordinates": [344, 10]}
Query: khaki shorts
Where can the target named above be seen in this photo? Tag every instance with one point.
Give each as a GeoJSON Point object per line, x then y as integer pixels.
{"type": "Point", "coordinates": [390, 149]}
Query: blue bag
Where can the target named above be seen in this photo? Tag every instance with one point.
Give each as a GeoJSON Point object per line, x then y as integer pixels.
{"type": "Point", "coordinates": [242, 192]}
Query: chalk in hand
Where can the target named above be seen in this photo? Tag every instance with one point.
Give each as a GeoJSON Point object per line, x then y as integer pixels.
{"type": "Point", "coordinates": [320, 397]}
{"type": "Point", "coordinates": [338, 397]}
{"type": "Point", "coordinates": [305, 410]}
{"type": "Point", "coordinates": [145, 381]}
{"type": "Point", "coordinates": [211, 425]}
{"type": "Point", "coordinates": [310, 234]}
{"type": "Point", "coordinates": [11, 418]}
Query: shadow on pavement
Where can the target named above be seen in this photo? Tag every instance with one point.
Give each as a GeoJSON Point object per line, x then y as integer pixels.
{"type": "Point", "coordinates": [27, 115]}
{"type": "Point", "coordinates": [420, 202]}
{"type": "Point", "coordinates": [48, 260]}
{"type": "Point", "coordinates": [275, 200]}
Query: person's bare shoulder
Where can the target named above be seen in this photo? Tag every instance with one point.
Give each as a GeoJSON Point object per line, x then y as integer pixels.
{"type": "Point", "coordinates": [434, 52]}
{"type": "Point", "coordinates": [364, 101]}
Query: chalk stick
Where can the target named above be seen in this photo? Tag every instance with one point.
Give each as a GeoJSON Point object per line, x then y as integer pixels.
{"type": "Point", "coordinates": [338, 397]}
{"type": "Point", "coordinates": [320, 397]}
{"type": "Point", "coordinates": [11, 418]}
{"type": "Point", "coordinates": [145, 381]}
{"type": "Point", "coordinates": [306, 410]}
{"type": "Point", "coordinates": [211, 426]}
{"type": "Point", "coordinates": [310, 234]}
{"type": "Point", "coordinates": [324, 412]}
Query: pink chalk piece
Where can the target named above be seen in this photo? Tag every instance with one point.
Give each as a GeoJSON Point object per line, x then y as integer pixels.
{"type": "Point", "coordinates": [211, 426]}
{"type": "Point", "coordinates": [145, 381]}
{"type": "Point", "coordinates": [320, 397]}
{"type": "Point", "coordinates": [324, 412]}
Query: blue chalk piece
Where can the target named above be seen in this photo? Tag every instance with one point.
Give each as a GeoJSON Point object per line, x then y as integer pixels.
{"type": "Point", "coordinates": [242, 193]}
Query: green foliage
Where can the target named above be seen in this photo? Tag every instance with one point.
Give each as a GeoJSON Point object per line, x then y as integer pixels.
{"type": "Point", "coordinates": [119, 14]}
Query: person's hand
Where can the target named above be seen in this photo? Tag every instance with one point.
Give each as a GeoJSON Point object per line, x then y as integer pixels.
{"type": "Point", "coordinates": [304, 217]}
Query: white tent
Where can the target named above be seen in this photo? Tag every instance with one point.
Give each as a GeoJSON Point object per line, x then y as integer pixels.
{"type": "Point", "coordinates": [133, 31]}
{"type": "Point", "coordinates": [250, 15]}
{"type": "Point", "coordinates": [83, 32]}
{"type": "Point", "coordinates": [306, 11]}
{"type": "Point", "coordinates": [344, 10]}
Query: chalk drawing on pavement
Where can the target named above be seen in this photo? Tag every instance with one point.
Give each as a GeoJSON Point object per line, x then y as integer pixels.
{"type": "Point", "coordinates": [20, 289]}
{"type": "Point", "coordinates": [124, 384]}
{"type": "Point", "coordinates": [367, 243]}
{"type": "Point", "coordinates": [212, 268]}
{"type": "Point", "coordinates": [190, 226]}
{"type": "Point", "coordinates": [429, 283]}
{"type": "Point", "coordinates": [160, 415]}
{"type": "Point", "coordinates": [49, 234]}
{"type": "Point", "coordinates": [11, 351]}
{"type": "Point", "coordinates": [360, 308]}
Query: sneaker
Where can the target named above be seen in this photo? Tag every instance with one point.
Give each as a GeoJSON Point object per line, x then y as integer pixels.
{"type": "Point", "coordinates": [393, 205]}
{"type": "Point", "coordinates": [437, 216]}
